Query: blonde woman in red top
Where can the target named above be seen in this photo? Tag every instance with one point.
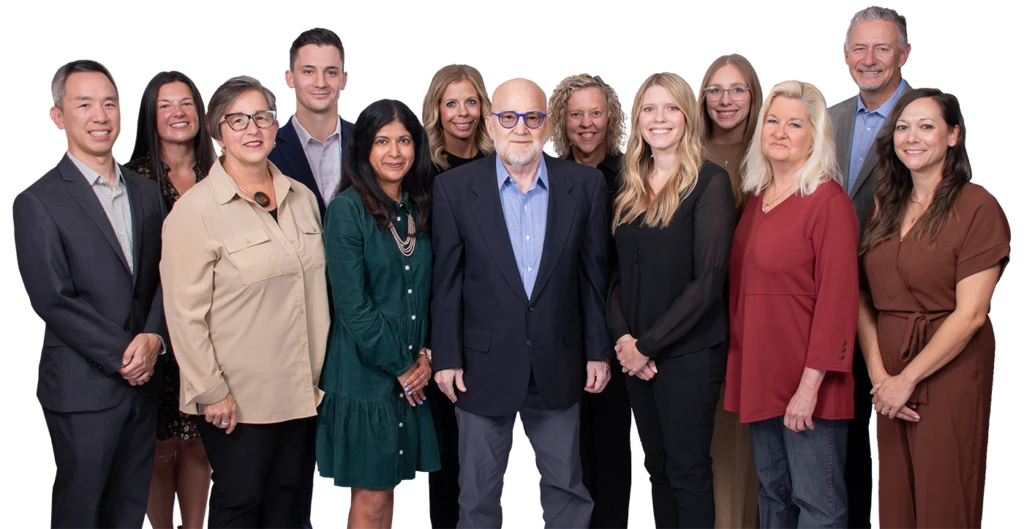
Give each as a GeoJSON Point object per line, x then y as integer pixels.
{"type": "Point", "coordinates": [793, 299]}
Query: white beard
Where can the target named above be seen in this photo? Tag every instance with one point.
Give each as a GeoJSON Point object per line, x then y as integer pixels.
{"type": "Point", "coordinates": [519, 157]}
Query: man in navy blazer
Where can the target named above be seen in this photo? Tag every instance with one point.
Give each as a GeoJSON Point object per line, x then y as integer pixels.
{"type": "Point", "coordinates": [309, 146]}
{"type": "Point", "coordinates": [88, 241]}
{"type": "Point", "coordinates": [521, 243]}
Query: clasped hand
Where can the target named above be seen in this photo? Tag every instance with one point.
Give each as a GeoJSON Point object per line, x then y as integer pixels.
{"type": "Point", "coordinates": [139, 359]}
{"type": "Point", "coordinates": [891, 393]}
{"type": "Point", "coordinates": [415, 379]}
{"type": "Point", "coordinates": [634, 363]}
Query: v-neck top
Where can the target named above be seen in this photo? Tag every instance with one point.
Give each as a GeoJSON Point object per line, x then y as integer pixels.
{"type": "Point", "coordinates": [793, 301]}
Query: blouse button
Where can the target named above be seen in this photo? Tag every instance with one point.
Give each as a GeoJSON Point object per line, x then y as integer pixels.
{"type": "Point", "coordinates": [844, 342]}
{"type": "Point", "coordinates": [843, 350]}
{"type": "Point", "coordinates": [414, 316]}
{"type": "Point", "coordinates": [400, 452]}
{"type": "Point", "coordinates": [406, 267]}
{"type": "Point", "coordinates": [399, 425]}
{"type": "Point", "coordinates": [409, 291]}
{"type": "Point", "coordinates": [842, 357]}
{"type": "Point", "coordinates": [410, 347]}
{"type": "Point", "coordinates": [398, 219]}
{"type": "Point", "coordinates": [302, 311]}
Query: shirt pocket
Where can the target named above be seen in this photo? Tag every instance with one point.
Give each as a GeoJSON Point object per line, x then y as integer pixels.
{"type": "Point", "coordinates": [312, 243]}
{"type": "Point", "coordinates": [253, 255]}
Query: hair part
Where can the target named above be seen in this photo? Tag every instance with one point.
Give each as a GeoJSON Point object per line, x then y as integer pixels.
{"type": "Point", "coordinates": [59, 85]}
{"type": "Point", "coordinates": [147, 139]}
{"type": "Point", "coordinates": [895, 184]}
{"type": "Point", "coordinates": [636, 197]}
{"type": "Point", "coordinates": [454, 73]}
{"type": "Point", "coordinates": [820, 166]}
{"type": "Point", "coordinates": [227, 93]}
{"type": "Point", "coordinates": [316, 37]}
{"type": "Point", "coordinates": [558, 104]}
{"type": "Point", "coordinates": [879, 13]}
{"type": "Point", "coordinates": [750, 78]}
{"type": "Point", "coordinates": [357, 171]}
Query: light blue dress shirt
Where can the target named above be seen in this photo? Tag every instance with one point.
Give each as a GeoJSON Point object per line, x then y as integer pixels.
{"type": "Point", "coordinates": [526, 218]}
{"type": "Point", "coordinates": [865, 128]}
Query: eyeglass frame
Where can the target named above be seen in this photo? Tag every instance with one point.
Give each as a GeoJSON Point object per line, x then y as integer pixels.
{"type": "Point", "coordinates": [707, 94]}
{"type": "Point", "coordinates": [543, 117]}
{"type": "Point", "coordinates": [249, 118]}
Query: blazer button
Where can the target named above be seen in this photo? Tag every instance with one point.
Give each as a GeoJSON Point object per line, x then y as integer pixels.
{"type": "Point", "coordinates": [530, 309]}
{"type": "Point", "coordinates": [135, 295]}
{"type": "Point", "coordinates": [527, 343]}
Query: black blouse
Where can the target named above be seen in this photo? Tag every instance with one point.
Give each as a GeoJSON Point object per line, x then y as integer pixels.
{"type": "Point", "coordinates": [669, 290]}
{"type": "Point", "coordinates": [453, 162]}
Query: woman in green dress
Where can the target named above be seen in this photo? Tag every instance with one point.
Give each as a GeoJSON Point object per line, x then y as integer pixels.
{"type": "Point", "coordinates": [375, 425]}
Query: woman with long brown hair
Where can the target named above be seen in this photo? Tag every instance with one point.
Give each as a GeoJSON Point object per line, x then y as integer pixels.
{"type": "Point", "coordinates": [932, 253]}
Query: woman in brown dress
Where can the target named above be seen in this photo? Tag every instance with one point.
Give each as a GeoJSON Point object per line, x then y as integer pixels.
{"type": "Point", "coordinates": [730, 99]}
{"type": "Point", "coordinates": [932, 253]}
{"type": "Point", "coordinates": [173, 148]}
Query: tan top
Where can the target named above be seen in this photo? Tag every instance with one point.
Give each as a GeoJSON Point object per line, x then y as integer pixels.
{"type": "Point", "coordinates": [246, 298]}
{"type": "Point", "coordinates": [729, 157]}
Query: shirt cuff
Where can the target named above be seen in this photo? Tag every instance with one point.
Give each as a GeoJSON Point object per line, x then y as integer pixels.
{"type": "Point", "coordinates": [163, 345]}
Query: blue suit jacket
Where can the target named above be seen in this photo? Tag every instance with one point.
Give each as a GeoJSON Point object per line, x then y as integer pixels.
{"type": "Point", "coordinates": [289, 157]}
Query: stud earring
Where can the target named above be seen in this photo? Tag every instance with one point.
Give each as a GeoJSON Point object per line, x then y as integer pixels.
{"type": "Point", "coordinates": [223, 151]}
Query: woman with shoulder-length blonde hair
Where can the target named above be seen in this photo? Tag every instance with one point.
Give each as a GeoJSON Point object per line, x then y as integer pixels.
{"type": "Point", "coordinates": [793, 299]}
{"type": "Point", "coordinates": [454, 115]}
{"type": "Point", "coordinates": [673, 224]}
{"type": "Point", "coordinates": [730, 100]}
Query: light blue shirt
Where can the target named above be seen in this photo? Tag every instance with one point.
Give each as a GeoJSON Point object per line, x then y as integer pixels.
{"type": "Point", "coordinates": [526, 218]}
{"type": "Point", "coordinates": [865, 128]}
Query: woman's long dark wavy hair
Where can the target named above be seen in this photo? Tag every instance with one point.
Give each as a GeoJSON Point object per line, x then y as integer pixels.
{"type": "Point", "coordinates": [147, 140]}
{"type": "Point", "coordinates": [358, 173]}
{"type": "Point", "coordinates": [892, 192]}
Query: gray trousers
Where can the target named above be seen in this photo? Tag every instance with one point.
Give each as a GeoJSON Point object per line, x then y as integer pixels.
{"type": "Point", "coordinates": [484, 446]}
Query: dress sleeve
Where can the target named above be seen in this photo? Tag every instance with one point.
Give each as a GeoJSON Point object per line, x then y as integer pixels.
{"type": "Point", "coordinates": [713, 225]}
{"type": "Point", "coordinates": [377, 339]}
{"type": "Point", "coordinates": [987, 242]}
{"type": "Point", "coordinates": [837, 293]}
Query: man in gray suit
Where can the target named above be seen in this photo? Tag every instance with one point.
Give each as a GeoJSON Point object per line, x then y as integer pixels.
{"type": "Point", "coordinates": [876, 49]}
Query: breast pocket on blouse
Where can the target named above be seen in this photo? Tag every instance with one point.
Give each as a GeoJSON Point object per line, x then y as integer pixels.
{"type": "Point", "coordinates": [313, 243]}
{"type": "Point", "coordinates": [253, 255]}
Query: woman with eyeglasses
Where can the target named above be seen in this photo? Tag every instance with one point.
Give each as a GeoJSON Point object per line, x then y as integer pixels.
{"type": "Point", "coordinates": [730, 100]}
{"type": "Point", "coordinates": [173, 147]}
{"type": "Point", "coordinates": [245, 293]}
{"type": "Point", "coordinates": [673, 224]}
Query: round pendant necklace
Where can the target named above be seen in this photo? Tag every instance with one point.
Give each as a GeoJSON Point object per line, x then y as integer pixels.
{"type": "Point", "coordinates": [262, 199]}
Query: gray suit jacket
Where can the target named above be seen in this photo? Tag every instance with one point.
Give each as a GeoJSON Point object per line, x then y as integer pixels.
{"type": "Point", "coordinates": [842, 116]}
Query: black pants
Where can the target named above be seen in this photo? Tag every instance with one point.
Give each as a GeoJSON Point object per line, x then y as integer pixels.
{"type": "Point", "coordinates": [604, 451]}
{"type": "Point", "coordinates": [260, 472]}
{"type": "Point", "coordinates": [675, 417]}
{"type": "Point", "coordinates": [858, 448]}
{"type": "Point", "coordinates": [444, 483]}
{"type": "Point", "coordinates": [104, 463]}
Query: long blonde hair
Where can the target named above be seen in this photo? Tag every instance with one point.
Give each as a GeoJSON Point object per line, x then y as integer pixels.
{"type": "Point", "coordinates": [819, 168]}
{"type": "Point", "coordinates": [454, 73]}
{"type": "Point", "coordinates": [636, 197]}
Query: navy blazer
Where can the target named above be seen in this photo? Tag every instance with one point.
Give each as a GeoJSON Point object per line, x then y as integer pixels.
{"type": "Point", "coordinates": [79, 283]}
{"type": "Point", "coordinates": [482, 319]}
{"type": "Point", "coordinates": [289, 157]}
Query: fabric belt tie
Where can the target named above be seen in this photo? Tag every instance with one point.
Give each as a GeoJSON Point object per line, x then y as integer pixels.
{"type": "Point", "coordinates": [918, 332]}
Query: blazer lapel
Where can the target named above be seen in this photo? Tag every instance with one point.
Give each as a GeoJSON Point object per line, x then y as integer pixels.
{"type": "Point", "coordinates": [870, 161]}
{"type": "Point", "coordinates": [561, 210]}
{"type": "Point", "coordinates": [491, 219]}
{"type": "Point", "coordinates": [135, 201]}
{"type": "Point", "coordinates": [79, 188]}
{"type": "Point", "coordinates": [288, 141]}
{"type": "Point", "coordinates": [844, 141]}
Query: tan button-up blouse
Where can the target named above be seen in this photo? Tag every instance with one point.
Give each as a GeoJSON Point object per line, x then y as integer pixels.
{"type": "Point", "coordinates": [246, 298]}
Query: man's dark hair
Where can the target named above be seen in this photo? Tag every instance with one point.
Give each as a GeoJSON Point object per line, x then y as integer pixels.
{"type": "Point", "coordinates": [59, 86]}
{"type": "Point", "coordinates": [318, 37]}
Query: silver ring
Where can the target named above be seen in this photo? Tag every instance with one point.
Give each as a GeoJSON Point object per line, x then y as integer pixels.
{"type": "Point", "coordinates": [224, 423]}
{"type": "Point", "coordinates": [884, 412]}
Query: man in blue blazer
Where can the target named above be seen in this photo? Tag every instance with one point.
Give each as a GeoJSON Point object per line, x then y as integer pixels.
{"type": "Point", "coordinates": [88, 241]}
{"type": "Point", "coordinates": [521, 244]}
{"type": "Point", "coordinates": [309, 146]}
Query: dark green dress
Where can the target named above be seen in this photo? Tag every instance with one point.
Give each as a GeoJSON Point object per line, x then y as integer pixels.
{"type": "Point", "coordinates": [368, 435]}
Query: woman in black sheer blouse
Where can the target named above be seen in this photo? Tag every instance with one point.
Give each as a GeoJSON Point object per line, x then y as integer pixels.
{"type": "Point", "coordinates": [673, 226]}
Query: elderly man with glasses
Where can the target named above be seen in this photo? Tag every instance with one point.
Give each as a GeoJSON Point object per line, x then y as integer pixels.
{"type": "Point", "coordinates": [521, 246]}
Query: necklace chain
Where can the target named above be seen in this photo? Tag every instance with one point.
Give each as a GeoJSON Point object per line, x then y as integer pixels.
{"type": "Point", "coordinates": [767, 204]}
{"type": "Point", "coordinates": [407, 246]}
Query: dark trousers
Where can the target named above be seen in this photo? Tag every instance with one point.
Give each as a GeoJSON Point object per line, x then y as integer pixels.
{"type": "Point", "coordinates": [444, 483]}
{"type": "Point", "coordinates": [801, 474]}
{"type": "Point", "coordinates": [675, 417]}
{"type": "Point", "coordinates": [604, 451]}
{"type": "Point", "coordinates": [104, 463]}
{"type": "Point", "coordinates": [260, 472]}
{"type": "Point", "coordinates": [858, 455]}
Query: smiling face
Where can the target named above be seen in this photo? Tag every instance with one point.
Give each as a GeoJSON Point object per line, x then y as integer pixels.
{"type": "Point", "coordinates": [318, 77]}
{"type": "Point", "coordinates": [393, 153]}
{"type": "Point", "coordinates": [91, 117]}
{"type": "Point", "coordinates": [730, 111]}
{"type": "Point", "coordinates": [520, 145]}
{"type": "Point", "coordinates": [460, 111]}
{"type": "Point", "coordinates": [177, 120]}
{"type": "Point", "coordinates": [874, 57]}
{"type": "Point", "coordinates": [922, 138]}
{"type": "Point", "coordinates": [662, 122]}
{"type": "Point", "coordinates": [786, 135]}
{"type": "Point", "coordinates": [252, 144]}
{"type": "Point", "coordinates": [586, 121]}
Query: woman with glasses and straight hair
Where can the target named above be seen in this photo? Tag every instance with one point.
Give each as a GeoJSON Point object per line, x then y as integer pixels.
{"type": "Point", "coordinates": [173, 147]}
{"type": "Point", "coordinates": [673, 223]}
{"type": "Point", "coordinates": [730, 100]}
{"type": "Point", "coordinates": [245, 293]}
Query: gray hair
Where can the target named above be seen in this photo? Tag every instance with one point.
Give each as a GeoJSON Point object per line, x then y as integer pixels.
{"type": "Point", "coordinates": [879, 13]}
{"type": "Point", "coordinates": [227, 93]}
{"type": "Point", "coordinates": [59, 85]}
